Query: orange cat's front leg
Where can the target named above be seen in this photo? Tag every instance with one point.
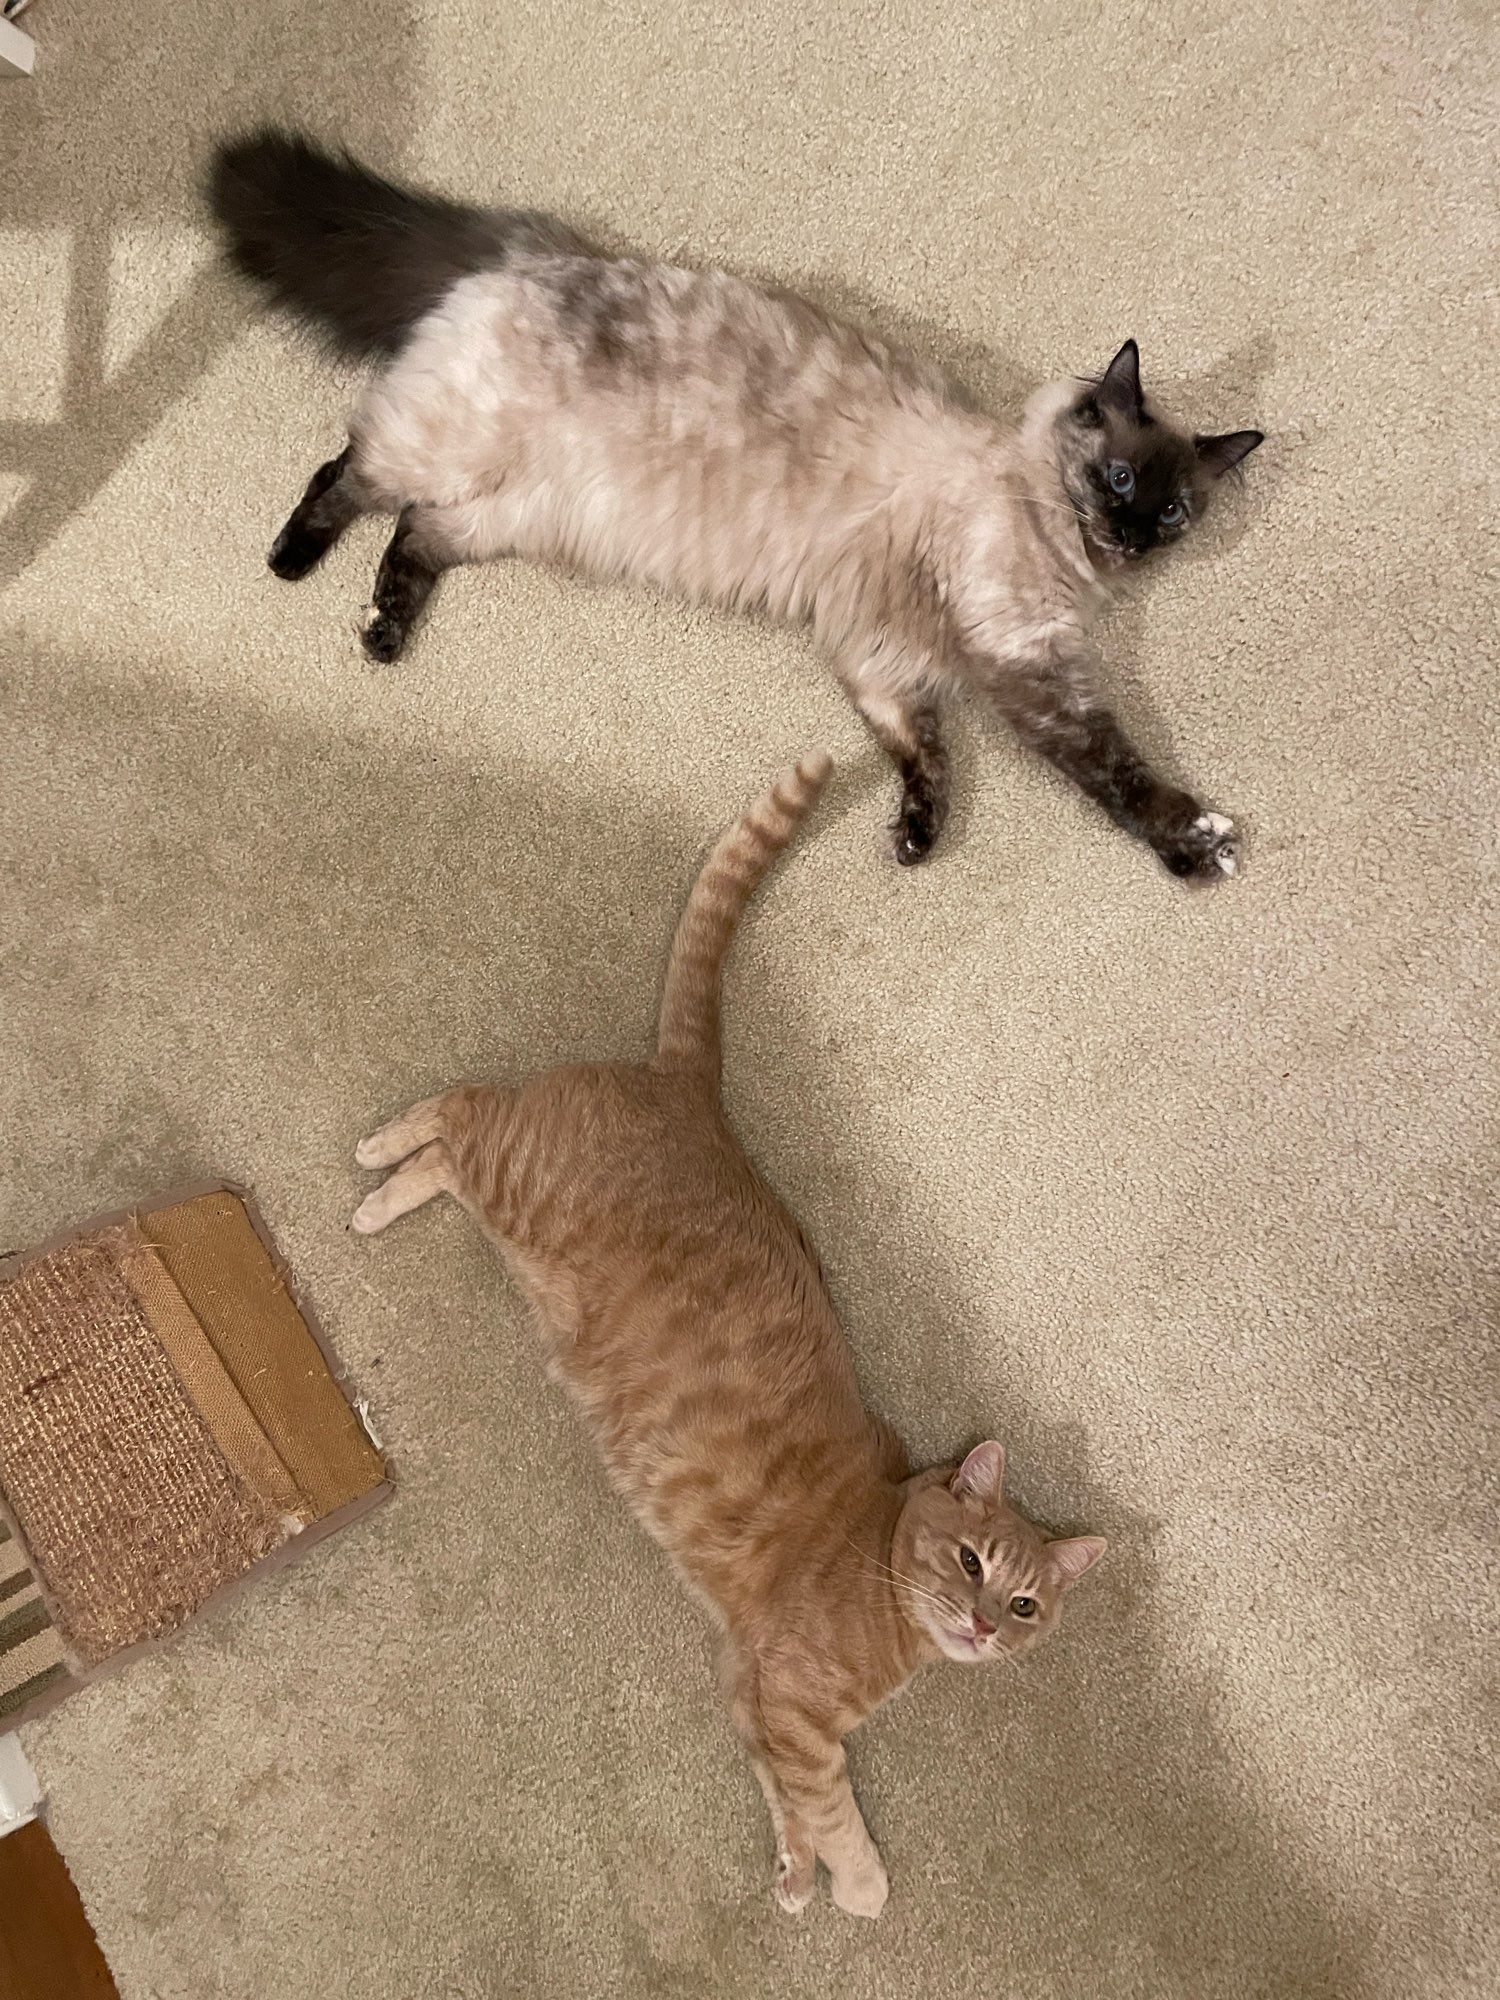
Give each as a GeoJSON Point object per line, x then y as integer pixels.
{"type": "Point", "coordinates": [796, 1856]}
{"type": "Point", "coordinates": [808, 1770]}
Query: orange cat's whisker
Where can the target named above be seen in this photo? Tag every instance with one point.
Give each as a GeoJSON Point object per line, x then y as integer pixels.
{"type": "Point", "coordinates": [905, 1582]}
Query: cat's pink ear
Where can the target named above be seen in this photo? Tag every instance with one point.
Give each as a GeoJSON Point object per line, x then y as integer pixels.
{"type": "Point", "coordinates": [982, 1473]}
{"type": "Point", "coordinates": [1076, 1555]}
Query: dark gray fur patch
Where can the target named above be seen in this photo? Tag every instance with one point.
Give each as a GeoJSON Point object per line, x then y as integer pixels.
{"type": "Point", "coordinates": [1087, 743]}
{"type": "Point", "coordinates": [603, 310]}
{"type": "Point", "coordinates": [924, 790]}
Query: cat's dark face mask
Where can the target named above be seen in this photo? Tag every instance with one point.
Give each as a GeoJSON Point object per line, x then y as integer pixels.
{"type": "Point", "coordinates": [1135, 481]}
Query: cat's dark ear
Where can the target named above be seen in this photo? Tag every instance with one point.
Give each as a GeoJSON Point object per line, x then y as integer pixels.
{"type": "Point", "coordinates": [981, 1475]}
{"type": "Point", "coordinates": [1076, 1555]}
{"type": "Point", "coordinates": [1218, 455]}
{"type": "Point", "coordinates": [1120, 384]}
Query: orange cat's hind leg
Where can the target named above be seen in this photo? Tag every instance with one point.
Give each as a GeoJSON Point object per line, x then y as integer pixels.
{"type": "Point", "coordinates": [416, 1180]}
{"type": "Point", "coordinates": [455, 1143]}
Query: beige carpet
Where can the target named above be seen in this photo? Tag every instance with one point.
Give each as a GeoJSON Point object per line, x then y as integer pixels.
{"type": "Point", "coordinates": [1186, 1196]}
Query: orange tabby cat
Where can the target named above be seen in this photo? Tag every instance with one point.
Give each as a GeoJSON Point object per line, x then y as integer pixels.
{"type": "Point", "coordinates": [684, 1309]}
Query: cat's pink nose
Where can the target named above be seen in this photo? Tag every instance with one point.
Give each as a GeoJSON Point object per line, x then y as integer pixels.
{"type": "Point", "coordinates": [983, 1629]}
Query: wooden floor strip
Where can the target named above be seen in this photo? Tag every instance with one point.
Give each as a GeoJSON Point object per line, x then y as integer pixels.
{"type": "Point", "coordinates": [48, 1950]}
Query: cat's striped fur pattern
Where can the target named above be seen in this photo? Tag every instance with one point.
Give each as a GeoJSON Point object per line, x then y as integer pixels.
{"type": "Point", "coordinates": [688, 1316]}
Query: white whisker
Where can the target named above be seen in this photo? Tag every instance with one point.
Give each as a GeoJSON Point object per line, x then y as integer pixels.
{"type": "Point", "coordinates": [914, 1590]}
{"type": "Point", "coordinates": [899, 1578]}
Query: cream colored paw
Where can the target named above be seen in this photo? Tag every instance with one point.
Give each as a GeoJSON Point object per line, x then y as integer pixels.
{"type": "Point", "coordinates": [370, 1215]}
{"type": "Point", "coordinates": [367, 1152]}
{"type": "Point", "coordinates": [864, 1894]}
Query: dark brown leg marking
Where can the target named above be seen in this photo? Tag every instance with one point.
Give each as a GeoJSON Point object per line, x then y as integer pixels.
{"type": "Point", "coordinates": [909, 735]}
{"type": "Point", "coordinates": [319, 518]}
{"type": "Point", "coordinates": [404, 582]}
{"type": "Point", "coordinates": [1091, 747]}
{"type": "Point", "coordinates": [924, 792]}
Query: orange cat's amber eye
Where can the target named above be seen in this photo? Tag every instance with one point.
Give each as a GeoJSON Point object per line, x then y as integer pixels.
{"type": "Point", "coordinates": [1023, 1607]}
{"type": "Point", "coordinates": [970, 1561]}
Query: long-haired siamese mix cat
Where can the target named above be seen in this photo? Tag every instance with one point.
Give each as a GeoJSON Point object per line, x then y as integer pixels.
{"type": "Point", "coordinates": [734, 443]}
{"type": "Point", "coordinates": [685, 1311]}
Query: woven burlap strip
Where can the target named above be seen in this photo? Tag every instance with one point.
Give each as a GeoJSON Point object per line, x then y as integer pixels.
{"type": "Point", "coordinates": [130, 1511]}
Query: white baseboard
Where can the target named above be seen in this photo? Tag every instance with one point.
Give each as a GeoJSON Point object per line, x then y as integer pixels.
{"type": "Point", "coordinates": [20, 1789]}
{"type": "Point", "coordinates": [17, 51]}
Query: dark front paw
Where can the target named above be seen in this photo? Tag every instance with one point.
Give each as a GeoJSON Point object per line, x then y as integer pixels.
{"type": "Point", "coordinates": [1206, 845]}
{"type": "Point", "coordinates": [383, 637]}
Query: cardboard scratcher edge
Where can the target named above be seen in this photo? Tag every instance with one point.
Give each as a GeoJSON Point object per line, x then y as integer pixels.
{"type": "Point", "coordinates": [289, 1551]}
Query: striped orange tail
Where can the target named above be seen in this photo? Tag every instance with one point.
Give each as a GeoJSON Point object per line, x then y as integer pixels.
{"type": "Point", "coordinates": [689, 1037]}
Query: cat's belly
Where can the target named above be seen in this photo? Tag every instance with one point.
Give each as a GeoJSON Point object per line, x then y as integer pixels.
{"type": "Point", "coordinates": [743, 551]}
{"type": "Point", "coordinates": [684, 479]}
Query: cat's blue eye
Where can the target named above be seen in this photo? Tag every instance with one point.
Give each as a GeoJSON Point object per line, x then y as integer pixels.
{"type": "Point", "coordinates": [1172, 514]}
{"type": "Point", "coordinates": [1121, 480]}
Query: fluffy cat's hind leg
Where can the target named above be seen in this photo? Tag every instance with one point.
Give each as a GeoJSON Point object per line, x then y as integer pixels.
{"type": "Point", "coordinates": [333, 499]}
{"type": "Point", "coordinates": [410, 567]}
{"type": "Point", "coordinates": [427, 1173]}
{"type": "Point", "coordinates": [907, 731]}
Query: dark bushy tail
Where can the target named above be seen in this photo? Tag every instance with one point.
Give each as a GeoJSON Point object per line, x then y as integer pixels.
{"type": "Point", "coordinates": [351, 255]}
{"type": "Point", "coordinates": [689, 1036]}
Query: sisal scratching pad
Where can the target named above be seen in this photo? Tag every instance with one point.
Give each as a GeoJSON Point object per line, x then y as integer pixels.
{"type": "Point", "coordinates": [169, 1420]}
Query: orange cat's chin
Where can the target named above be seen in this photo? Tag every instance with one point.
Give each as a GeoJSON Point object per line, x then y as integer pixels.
{"type": "Point", "coordinates": [961, 1646]}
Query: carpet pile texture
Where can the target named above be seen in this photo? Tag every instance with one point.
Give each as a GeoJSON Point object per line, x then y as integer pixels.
{"type": "Point", "coordinates": [1187, 1197]}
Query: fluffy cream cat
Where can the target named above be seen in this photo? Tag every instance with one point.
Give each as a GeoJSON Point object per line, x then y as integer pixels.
{"type": "Point", "coordinates": [734, 443]}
